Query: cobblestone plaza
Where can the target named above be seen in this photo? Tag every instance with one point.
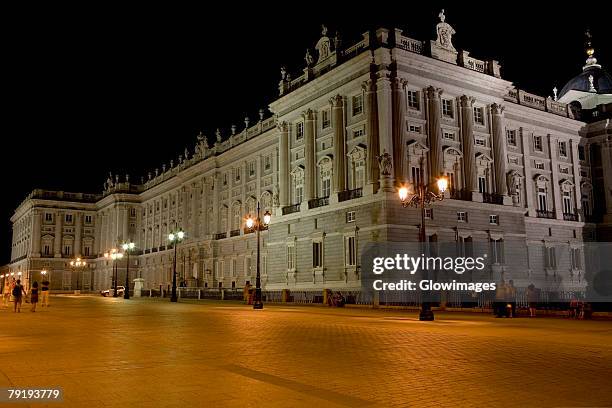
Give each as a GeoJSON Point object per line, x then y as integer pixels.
{"type": "Point", "coordinates": [150, 353]}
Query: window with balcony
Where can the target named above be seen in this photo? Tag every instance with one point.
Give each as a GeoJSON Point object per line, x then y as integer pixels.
{"type": "Point", "coordinates": [542, 204]}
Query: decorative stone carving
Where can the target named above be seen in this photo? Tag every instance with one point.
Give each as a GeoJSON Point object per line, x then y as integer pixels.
{"type": "Point", "coordinates": [445, 33]}
{"type": "Point", "coordinates": [386, 164]}
{"type": "Point", "coordinates": [218, 134]}
{"type": "Point", "coordinates": [283, 72]}
{"type": "Point", "coordinates": [323, 46]}
{"type": "Point", "coordinates": [309, 58]}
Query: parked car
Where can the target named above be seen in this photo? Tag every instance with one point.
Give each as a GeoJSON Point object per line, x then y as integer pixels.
{"type": "Point", "coordinates": [111, 291]}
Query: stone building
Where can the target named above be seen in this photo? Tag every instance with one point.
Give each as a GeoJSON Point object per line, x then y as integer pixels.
{"type": "Point", "coordinates": [524, 170]}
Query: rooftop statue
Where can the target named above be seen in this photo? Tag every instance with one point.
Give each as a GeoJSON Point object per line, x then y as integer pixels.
{"type": "Point", "coordinates": [445, 33]}
{"type": "Point", "coordinates": [323, 46]}
{"type": "Point", "coordinates": [309, 59]}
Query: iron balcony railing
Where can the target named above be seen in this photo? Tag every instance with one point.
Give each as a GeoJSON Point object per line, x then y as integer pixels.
{"type": "Point", "coordinates": [220, 235]}
{"type": "Point", "coordinates": [545, 214]}
{"type": "Point", "coordinates": [234, 233]}
{"type": "Point", "coordinates": [492, 198]}
{"type": "Point", "coordinates": [350, 194]}
{"type": "Point", "coordinates": [462, 194]}
{"type": "Point", "coordinates": [570, 216]}
{"type": "Point", "coordinates": [318, 202]}
{"type": "Point", "coordinates": [290, 209]}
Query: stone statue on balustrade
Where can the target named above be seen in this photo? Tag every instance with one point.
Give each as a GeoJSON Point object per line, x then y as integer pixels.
{"type": "Point", "coordinates": [445, 33]}
{"type": "Point", "coordinates": [309, 58]}
{"type": "Point", "coordinates": [323, 46]}
{"type": "Point", "coordinates": [275, 196]}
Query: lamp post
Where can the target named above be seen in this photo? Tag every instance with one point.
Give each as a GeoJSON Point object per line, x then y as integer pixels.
{"type": "Point", "coordinates": [77, 264]}
{"type": "Point", "coordinates": [114, 255]}
{"type": "Point", "coordinates": [423, 196]}
{"type": "Point", "coordinates": [258, 224]}
{"type": "Point", "coordinates": [175, 238]}
{"type": "Point", "coordinates": [127, 248]}
{"type": "Point", "coordinates": [2, 277]}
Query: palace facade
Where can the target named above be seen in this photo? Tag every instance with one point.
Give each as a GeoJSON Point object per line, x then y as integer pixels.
{"type": "Point", "coordinates": [524, 171]}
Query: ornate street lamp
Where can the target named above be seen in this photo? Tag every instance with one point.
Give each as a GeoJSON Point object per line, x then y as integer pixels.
{"type": "Point", "coordinates": [175, 238]}
{"type": "Point", "coordinates": [77, 264]}
{"type": "Point", "coordinates": [127, 248]}
{"type": "Point", "coordinates": [423, 196]}
{"type": "Point", "coordinates": [258, 224]}
{"type": "Point", "coordinates": [114, 255]}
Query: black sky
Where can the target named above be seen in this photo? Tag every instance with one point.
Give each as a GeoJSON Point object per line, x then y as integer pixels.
{"type": "Point", "coordinates": [91, 91]}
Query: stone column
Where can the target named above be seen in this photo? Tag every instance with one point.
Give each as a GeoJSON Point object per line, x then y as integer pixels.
{"type": "Point", "coordinates": [372, 169]}
{"type": "Point", "coordinates": [195, 211]}
{"type": "Point", "coordinates": [125, 224]}
{"type": "Point", "coordinates": [399, 124]}
{"type": "Point", "coordinates": [434, 132]}
{"type": "Point", "coordinates": [577, 178]}
{"type": "Point", "coordinates": [529, 187]}
{"type": "Point", "coordinates": [499, 151]}
{"type": "Point", "coordinates": [606, 165]}
{"type": "Point", "coordinates": [385, 125]}
{"type": "Point", "coordinates": [283, 164]}
{"type": "Point", "coordinates": [78, 233]}
{"type": "Point", "coordinates": [36, 233]}
{"type": "Point", "coordinates": [185, 210]}
{"type": "Point", "coordinates": [467, 141]}
{"type": "Point", "coordinates": [97, 230]}
{"type": "Point", "coordinates": [57, 241]}
{"type": "Point", "coordinates": [204, 206]}
{"type": "Point", "coordinates": [553, 147]}
{"type": "Point", "coordinates": [339, 164]}
{"type": "Point", "coordinates": [309, 156]}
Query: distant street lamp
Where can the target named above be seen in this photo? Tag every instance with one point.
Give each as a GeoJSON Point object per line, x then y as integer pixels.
{"type": "Point", "coordinates": [175, 238]}
{"type": "Point", "coordinates": [258, 224]}
{"type": "Point", "coordinates": [127, 248]}
{"type": "Point", "coordinates": [76, 264]}
{"type": "Point", "coordinates": [114, 255]}
{"type": "Point", "coordinates": [423, 196]}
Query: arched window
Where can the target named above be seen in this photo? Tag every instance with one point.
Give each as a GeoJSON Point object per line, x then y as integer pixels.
{"type": "Point", "coordinates": [357, 158]}
{"type": "Point", "coordinates": [236, 215]}
{"type": "Point", "coordinates": [297, 181]}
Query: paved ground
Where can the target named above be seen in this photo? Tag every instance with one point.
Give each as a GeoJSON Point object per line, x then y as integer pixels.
{"type": "Point", "coordinates": [144, 353]}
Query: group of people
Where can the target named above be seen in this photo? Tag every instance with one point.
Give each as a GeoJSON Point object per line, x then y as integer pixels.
{"type": "Point", "coordinates": [15, 292]}
{"type": "Point", "coordinates": [505, 299]}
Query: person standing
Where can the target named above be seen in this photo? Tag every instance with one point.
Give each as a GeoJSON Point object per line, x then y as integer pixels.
{"type": "Point", "coordinates": [18, 292]}
{"type": "Point", "coordinates": [532, 299]}
{"type": "Point", "coordinates": [500, 297]}
{"type": "Point", "coordinates": [44, 292]}
{"type": "Point", "coordinates": [34, 296]}
{"type": "Point", "coordinates": [511, 298]}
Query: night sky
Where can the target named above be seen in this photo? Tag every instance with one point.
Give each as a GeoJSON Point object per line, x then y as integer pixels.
{"type": "Point", "coordinates": [88, 91]}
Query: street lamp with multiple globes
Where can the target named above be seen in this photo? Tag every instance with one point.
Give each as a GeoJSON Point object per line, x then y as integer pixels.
{"type": "Point", "coordinates": [421, 197]}
{"type": "Point", "coordinates": [77, 264]}
{"type": "Point", "coordinates": [258, 224]}
{"type": "Point", "coordinates": [175, 238]}
{"type": "Point", "coordinates": [113, 254]}
{"type": "Point", "coordinates": [127, 248]}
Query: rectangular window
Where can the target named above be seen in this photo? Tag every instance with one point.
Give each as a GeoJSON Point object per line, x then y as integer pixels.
{"type": "Point", "coordinates": [575, 258]}
{"type": "Point", "coordinates": [449, 136]}
{"type": "Point", "coordinates": [267, 163]}
{"type": "Point", "coordinates": [68, 218]}
{"type": "Point", "coordinates": [564, 170]}
{"type": "Point", "coordinates": [581, 155]}
{"type": "Point", "coordinates": [537, 143]}
{"type": "Point", "coordinates": [479, 141]}
{"type": "Point", "coordinates": [539, 165]}
{"type": "Point", "coordinates": [584, 173]}
{"type": "Point", "coordinates": [482, 184]}
{"type": "Point", "coordinates": [357, 104]}
{"type": "Point", "coordinates": [550, 258]}
{"type": "Point", "coordinates": [542, 206]}
{"type": "Point", "coordinates": [299, 194]}
{"type": "Point", "coordinates": [567, 203]}
{"type": "Point", "coordinates": [317, 254]}
{"type": "Point", "coordinates": [416, 175]}
{"type": "Point", "coordinates": [48, 217]}
{"type": "Point", "coordinates": [358, 133]}
{"type": "Point", "coordinates": [325, 123]}
{"type": "Point", "coordinates": [237, 174]}
{"type": "Point", "coordinates": [251, 169]}
{"type": "Point", "coordinates": [562, 149]}
{"type": "Point", "coordinates": [414, 128]}
{"type": "Point", "coordinates": [47, 250]}
{"type": "Point", "coordinates": [429, 213]}
{"type": "Point", "coordinates": [462, 216]}
{"type": "Point", "coordinates": [511, 137]}
{"type": "Point", "coordinates": [299, 130]}
{"type": "Point", "coordinates": [586, 206]}
{"type": "Point", "coordinates": [447, 108]}
{"type": "Point", "coordinates": [88, 217]}
{"type": "Point", "coordinates": [67, 250]}
{"type": "Point", "coordinates": [326, 187]}
{"type": "Point", "coordinates": [350, 251]}
{"type": "Point", "coordinates": [86, 251]}
{"type": "Point", "coordinates": [413, 100]}
{"type": "Point", "coordinates": [497, 251]}
{"type": "Point", "coordinates": [493, 219]}
{"type": "Point", "coordinates": [350, 216]}
{"type": "Point", "coordinates": [291, 257]}
{"type": "Point", "coordinates": [224, 182]}
{"type": "Point", "coordinates": [479, 116]}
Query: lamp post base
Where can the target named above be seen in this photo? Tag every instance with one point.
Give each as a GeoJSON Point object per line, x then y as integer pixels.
{"type": "Point", "coordinates": [174, 299]}
{"type": "Point", "coordinates": [258, 304]}
{"type": "Point", "coordinates": [426, 315]}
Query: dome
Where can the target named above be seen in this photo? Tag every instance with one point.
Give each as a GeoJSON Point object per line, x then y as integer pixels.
{"type": "Point", "coordinates": [602, 81]}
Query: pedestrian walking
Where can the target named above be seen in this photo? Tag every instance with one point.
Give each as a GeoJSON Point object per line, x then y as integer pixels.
{"type": "Point", "coordinates": [44, 293]}
{"type": "Point", "coordinates": [34, 296]}
{"type": "Point", "coordinates": [511, 298]}
{"type": "Point", "coordinates": [532, 299]}
{"type": "Point", "coordinates": [18, 292]}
